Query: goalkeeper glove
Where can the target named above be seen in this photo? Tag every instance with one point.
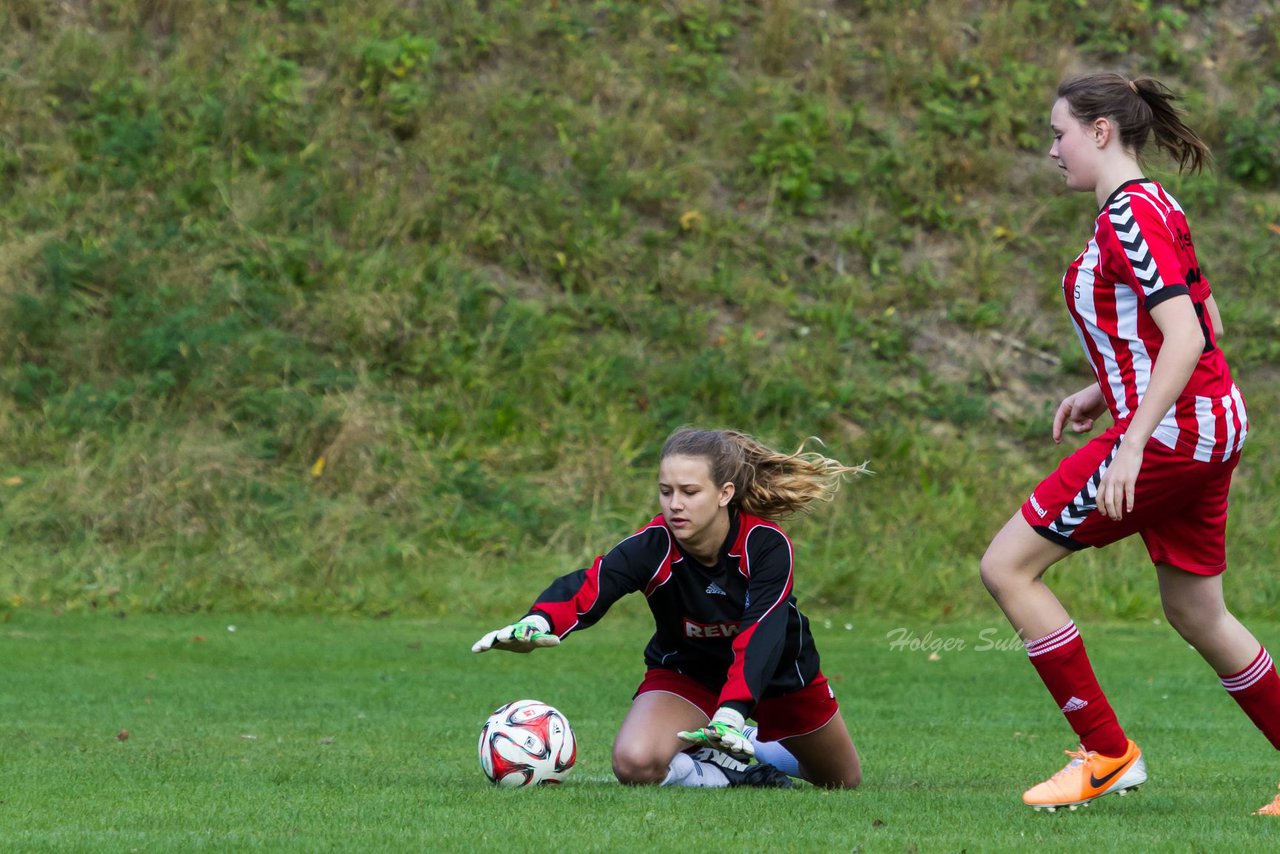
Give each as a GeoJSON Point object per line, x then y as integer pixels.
{"type": "Point", "coordinates": [723, 733]}
{"type": "Point", "coordinates": [525, 636]}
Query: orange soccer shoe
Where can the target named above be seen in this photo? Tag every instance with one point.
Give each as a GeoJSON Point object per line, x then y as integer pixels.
{"type": "Point", "coordinates": [1088, 776]}
{"type": "Point", "coordinates": [1272, 808]}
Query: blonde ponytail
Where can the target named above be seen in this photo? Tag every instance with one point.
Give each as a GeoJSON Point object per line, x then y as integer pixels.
{"type": "Point", "coordinates": [767, 483]}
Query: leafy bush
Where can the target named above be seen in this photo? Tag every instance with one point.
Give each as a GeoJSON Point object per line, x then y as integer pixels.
{"type": "Point", "coordinates": [800, 153]}
{"type": "Point", "coordinates": [1252, 153]}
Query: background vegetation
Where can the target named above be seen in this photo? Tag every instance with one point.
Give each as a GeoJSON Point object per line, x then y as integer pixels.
{"type": "Point", "coordinates": [387, 306]}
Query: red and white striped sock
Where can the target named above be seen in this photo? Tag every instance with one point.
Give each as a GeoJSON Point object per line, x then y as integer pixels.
{"type": "Point", "coordinates": [1257, 690]}
{"type": "Point", "coordinates": [1063, 665]}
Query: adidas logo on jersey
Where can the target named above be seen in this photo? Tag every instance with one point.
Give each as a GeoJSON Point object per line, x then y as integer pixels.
{"type": "Point", "coordinates": [716, 589]}
{"type": "Point", "coordinates": [1075, 704]}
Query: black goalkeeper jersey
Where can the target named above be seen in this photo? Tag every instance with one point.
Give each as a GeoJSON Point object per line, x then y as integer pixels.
{"type": "Point", "coordinates": [735, 627]}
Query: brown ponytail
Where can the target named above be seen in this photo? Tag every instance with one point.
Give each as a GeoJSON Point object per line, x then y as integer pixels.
{"type": "Point", "coordinates": [1142, 107]}
{"type": "Point", "coordinates": [767, 483]}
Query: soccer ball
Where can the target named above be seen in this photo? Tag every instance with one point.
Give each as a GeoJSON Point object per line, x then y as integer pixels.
{"type": "Point", "coordinates": [527, 743]}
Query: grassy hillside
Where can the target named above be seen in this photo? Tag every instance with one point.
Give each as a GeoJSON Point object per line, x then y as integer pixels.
{"type": "Point", "coordinates": [388, 305]}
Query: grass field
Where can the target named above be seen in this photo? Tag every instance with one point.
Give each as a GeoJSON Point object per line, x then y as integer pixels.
{"type": "Point", "coordinates": [313, 734]}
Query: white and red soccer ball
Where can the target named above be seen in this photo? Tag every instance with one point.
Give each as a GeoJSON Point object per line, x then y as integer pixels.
{"type": "Point", "coordinates": [527, 743]}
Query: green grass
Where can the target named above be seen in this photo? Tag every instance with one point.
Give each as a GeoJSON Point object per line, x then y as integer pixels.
{"type": "Point", "coordinates": [308, 733]}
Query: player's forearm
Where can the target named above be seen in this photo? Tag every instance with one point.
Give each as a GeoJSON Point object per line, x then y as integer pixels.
{"type": "Point", "coordinates": [1215, 316]}
{"type": "Point", "coordinates": [1091, 400]}
{"type": "Point", "coordinates": [1178, 358]}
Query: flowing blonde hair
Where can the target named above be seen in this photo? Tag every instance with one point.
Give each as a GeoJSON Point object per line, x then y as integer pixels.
{"type": "Point", "coordinates": [767, 483]}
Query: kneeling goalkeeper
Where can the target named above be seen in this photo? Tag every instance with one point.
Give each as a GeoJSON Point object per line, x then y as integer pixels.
{"type": "Point", "coordinates": [730, 642]}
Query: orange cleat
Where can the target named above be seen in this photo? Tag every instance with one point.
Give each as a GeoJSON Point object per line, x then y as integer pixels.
{"type": "Point", "coordinates": [1087, 777]}
{"type": "Point", "coordinates": [1272, 808]}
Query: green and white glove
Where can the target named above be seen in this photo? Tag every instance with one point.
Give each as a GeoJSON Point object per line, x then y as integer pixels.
{"type": "Point", "coordinates": [723, 733]}
{"type": "Point", "coordinates": [525, 636]}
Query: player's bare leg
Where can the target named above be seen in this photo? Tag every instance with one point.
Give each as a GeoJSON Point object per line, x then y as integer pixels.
{"type": "Point", "coordinates": [827, 755]}
{"type": "Point", "coordinates": [1012, 569]}
{"type": "Point", "coordinates": [1195, 607]}
{"type": "Point", "coordinates": [646, 741]}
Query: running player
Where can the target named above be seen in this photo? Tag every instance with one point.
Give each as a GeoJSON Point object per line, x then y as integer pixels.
{"type": "Point", "coordinates": [729, 641]}
{"type": "Point", "coordinates": [1149, 325]}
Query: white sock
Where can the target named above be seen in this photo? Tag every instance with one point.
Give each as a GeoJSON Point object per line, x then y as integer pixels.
{"type": "Point", "coordinates": [773, 753]}
{"type": "Point", "coordinates": [687, 771]}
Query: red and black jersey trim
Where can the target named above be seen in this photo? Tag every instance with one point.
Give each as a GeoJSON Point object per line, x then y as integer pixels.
{"type": "Point", "coordinates": [734, 626]}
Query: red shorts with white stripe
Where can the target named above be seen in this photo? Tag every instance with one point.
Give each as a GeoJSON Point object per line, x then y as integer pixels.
{"type": "Point", "coordinates": [1179, 505]}
{"type": "Point", "coordinates": [798, 713]}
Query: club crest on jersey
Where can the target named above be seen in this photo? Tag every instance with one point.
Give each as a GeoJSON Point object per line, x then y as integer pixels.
{"type": "Point", "coordinates": [709, 630]}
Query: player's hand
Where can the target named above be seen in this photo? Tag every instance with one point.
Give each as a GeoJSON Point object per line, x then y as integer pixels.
{"type": "Point", "coordinates": [1119, 482]}
{"type": "Point", "coordinates": [723, 733]}
{"type": "Point", "coordinates": [1079, 411]}
{"type": "Point", "coordinates": [524, 636]}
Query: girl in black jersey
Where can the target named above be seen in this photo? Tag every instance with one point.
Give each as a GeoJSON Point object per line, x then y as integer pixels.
{"type": "Point", "coordinates": [729, 640]}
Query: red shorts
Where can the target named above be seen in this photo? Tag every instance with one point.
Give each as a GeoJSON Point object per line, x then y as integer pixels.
{"type": "Point", "coordinates": [1179, 505]}
{"type": "Point", "coordinates": [798, 713]}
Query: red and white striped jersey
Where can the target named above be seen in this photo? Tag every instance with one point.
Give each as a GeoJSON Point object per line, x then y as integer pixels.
{"type": "Point", "coordinates": [1140, 255]}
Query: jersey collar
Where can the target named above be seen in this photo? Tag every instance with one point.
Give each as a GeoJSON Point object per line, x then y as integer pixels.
{"type": "Point", "coordinates": [1118, 190]}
